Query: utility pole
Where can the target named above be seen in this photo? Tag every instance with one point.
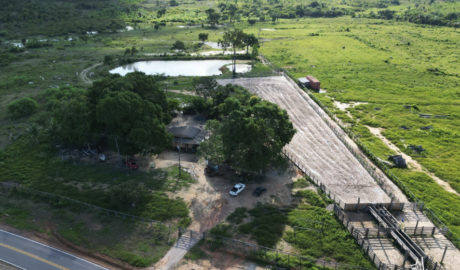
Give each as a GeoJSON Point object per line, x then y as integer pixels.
{"type": "Point", "coordinates": [121, 164]}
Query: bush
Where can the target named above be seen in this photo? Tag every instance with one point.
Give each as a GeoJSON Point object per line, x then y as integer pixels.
{"type": "Point", "coordinates": [23, 107]}
{"type": "Point", "coordinates": [311, 197]}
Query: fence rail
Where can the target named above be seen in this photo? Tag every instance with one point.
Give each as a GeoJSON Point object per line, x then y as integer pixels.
{"type": "Point", "coordinates": [428, 212]}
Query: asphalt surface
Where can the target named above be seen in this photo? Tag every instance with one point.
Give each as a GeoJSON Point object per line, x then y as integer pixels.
{"type": "Point", "coordinates": [31, 255]}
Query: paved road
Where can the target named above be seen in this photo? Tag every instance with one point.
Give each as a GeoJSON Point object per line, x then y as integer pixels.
{"type": "Point", "coordinates": [31, 255]}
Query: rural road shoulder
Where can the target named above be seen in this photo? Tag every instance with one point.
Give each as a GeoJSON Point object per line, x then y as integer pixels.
{"type": "Point", "coordinates": [28, 254]}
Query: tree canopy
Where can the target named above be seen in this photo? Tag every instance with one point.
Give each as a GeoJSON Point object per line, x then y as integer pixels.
{"type": "Point", "coordinates": [252, 133]}
{"type": "Point", "coordinates": [131, 109]}
{"type": "Point", "coordinates": [233, 39]}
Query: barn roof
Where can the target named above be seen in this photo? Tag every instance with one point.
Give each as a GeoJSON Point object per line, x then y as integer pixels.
{"type": "Point", "coordinates": [188, 134]}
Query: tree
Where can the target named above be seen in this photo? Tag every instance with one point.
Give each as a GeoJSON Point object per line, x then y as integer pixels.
{"type": "Point", "coordinates": [136, 122]}
{"type": "Point", "coordinates": [213, 16]}
{"type": "Point", "coordinates": [233, 39]}
{"type": "Point", "coordinates": [232, 9]}
{"type": "Point", "coordinates": [203, 37]}
{"type": "Point", "coordinates": [250, 40]}
{"type": "Point", "coordinates": [255, 133]}
{"type": "Point", "coordinates": [134, 50]}
{"type": "Point", "coordinates": [34, 131]}
{"type": "Point", "coordinates": [252, 21]}
{"type": "Point", "coordinates": [85, 38]}
{"type": "Point", "coordinates": [173, 3]}
{"type": "Point", "coordinates": [255, 52]}
{"type": "Point", "coordinates": [179, 45]}
{"type": "Point", "coordinates": [108, 59]}
{"type": "Point", "coordinates": [204, 86]}
{"type": "Point", "coordinates": [23, 107]}
{"type": "Point", "coordinates": [212, 148]}
{"type": "Point", "coordinates": [127, 51]}
{"type": "Point", "coordinates": [75, 121]}
{"type": "Point", "coordinates": [156, 27]}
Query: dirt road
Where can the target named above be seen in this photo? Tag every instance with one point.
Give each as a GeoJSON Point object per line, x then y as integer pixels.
{"type": "Point", "coordinates": [315, 146]}
{"type": "Point", "coordinates": [84, 73]}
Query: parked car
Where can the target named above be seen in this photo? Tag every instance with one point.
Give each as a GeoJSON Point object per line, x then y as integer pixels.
{"type": "Point", "coordinates": [259, 191]}
{"type": "Point", "coordinates": [132, 165]}
{"type": "Point", "coordinates": [237, 189]}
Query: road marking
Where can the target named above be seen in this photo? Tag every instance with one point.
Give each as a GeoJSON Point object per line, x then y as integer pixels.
{"type": "Point", "coordinates": [58, 250]}
{"type": "Point", "coordinates": [33, 256]}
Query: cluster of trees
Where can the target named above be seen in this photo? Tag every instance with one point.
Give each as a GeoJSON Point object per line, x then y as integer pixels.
{"type": "Point", "coordinates": [420, 16]}
{"type": "Point", "coordinates": [54, 18]}
{"type": "Point", "coordinates": [131, 111]}
{"type": "Point", "coordinates": [251, 132]}
{"type": "Point", "coordinates": [237, 39]}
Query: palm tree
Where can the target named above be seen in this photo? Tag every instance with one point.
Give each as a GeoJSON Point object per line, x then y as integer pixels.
{"type": "Point", "coordinates": [34, 131]}
{"type": "Point", "coordinates": [53, 131]}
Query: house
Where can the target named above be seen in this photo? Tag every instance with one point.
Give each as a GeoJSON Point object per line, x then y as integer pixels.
{"type": "Point", "coordinates": [187, 137]}
{"type": "Point", "coordinates": [304, 82]}
{"type": "Point", "coordinates": [314, 83]}
{"type": "Point", "coordinates": [399, 161]}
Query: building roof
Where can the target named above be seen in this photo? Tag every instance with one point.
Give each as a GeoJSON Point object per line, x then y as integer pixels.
{"type": "Point", "coordinates": [312, 79]}
{"type": "Point", "coordinates": [187, 134]}
{"type": "Point", "coordinates": [303, 80]}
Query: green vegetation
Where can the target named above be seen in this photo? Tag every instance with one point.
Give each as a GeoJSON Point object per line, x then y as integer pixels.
{"type": "Point", "coordinates": [272, 227]}
{"type": "Point", "coordinates": [23, 107]}
{"type": "Point", "coordinates": [126, 240]}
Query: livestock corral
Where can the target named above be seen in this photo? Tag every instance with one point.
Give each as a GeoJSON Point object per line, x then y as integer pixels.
{"type": "Point", "coordinates": [315, 146]}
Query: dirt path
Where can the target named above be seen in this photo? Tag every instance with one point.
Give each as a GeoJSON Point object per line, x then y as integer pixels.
{"type": "Point", "coordinates": [176, 253]}
{"type": "Point", "coordinates": [83, 74]}
{"type": "Point", "coordinates": [209, 200]}
{"type": "Point", "coordinates": [315, 146]}
{"type": "Point", "coordinates": [414, 165]}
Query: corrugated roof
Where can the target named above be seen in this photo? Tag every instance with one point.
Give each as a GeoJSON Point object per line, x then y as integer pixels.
{"type": "Point", "coordinates": [185, 132]}
{"type": "Point", "coordinates": [303, 80]}
{"type": "Point", "coordinates": [188, 135]}
{"type": "Point", "coordinates": [312, 79]}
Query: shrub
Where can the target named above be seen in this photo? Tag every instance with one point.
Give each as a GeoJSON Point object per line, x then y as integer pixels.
{"type": "Point", "coordinates": [311, 197]}
{"type": "Point", "coordinates": [23, 107]}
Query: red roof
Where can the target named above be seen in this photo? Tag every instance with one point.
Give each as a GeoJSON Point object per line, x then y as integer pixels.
{"type": "Point", "coordinates": [312, 79]}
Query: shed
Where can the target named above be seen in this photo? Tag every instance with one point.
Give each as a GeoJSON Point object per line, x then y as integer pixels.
{"type": "Point", "coordinates": [304, 82]}
{"type": "Point", "coordinates": [187, 137]}
{"type": "Point", "coordinates": [398, 160]}
{"type": "Point", "coordinates": [314, 83]}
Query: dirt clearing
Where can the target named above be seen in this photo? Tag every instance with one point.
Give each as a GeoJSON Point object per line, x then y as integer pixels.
{"type": "Point", "coordinates": [315, 146]}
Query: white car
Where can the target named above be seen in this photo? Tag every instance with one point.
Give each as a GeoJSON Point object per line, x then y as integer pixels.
{"type": "Point", "coordinates": [237, 189]}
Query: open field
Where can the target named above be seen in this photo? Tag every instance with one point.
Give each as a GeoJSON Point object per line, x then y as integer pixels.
{"type": "Point", "coordinates": [315, 146]}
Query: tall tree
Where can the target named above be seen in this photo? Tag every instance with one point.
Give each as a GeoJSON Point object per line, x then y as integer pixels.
{"type": "Point", "coordinates": [75, 120]}
{"type": "Point", "coordinates": [233, 39]}
{"type": "Point", "coordinates": [250, 40]}
{"type": "Point", "coordinates": [255, 134]}
{"type": "Point", "coordinates": [203, 37]}
{"type": "Point", "coordinates": [136, 122]}
{"type": "Point", "coordinates": [213, 16]}
{"type": "Point", "coordinates": [212, 148]}
{"type": "Point", "coordinates": [204, 86]}
{"type": "Point", "coordinates": [232, 9]}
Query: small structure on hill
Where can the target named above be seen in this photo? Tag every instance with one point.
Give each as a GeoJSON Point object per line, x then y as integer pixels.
{"type": "Point", "coordinates": [314, 83]}
{"type": "Point", "coordinates": [399, 161]}
{"type": "Point", "coordinates": [309, 81]}
{"type": "Point", "coordinates": [416, 148]}
{"type": "Point", "coordinates": [187, 137]}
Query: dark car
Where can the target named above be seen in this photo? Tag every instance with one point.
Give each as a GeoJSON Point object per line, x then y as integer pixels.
{"type": "Point", "coordinates": [259, 191]}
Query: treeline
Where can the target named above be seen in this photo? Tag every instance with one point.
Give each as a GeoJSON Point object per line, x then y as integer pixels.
{"type": "Point", "coordinates": [52, 18]}
{"type": "Point", "coordinates": [419, 16]}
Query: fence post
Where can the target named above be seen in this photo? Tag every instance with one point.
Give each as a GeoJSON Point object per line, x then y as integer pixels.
{"type": "Point", "coordinates": [416, 225]}
{"type": "Point", "coordinates": [367, 233]}
{"type": "Point", "coordinates": [444, 254]}
{"type": "Point", "coordinates": [434, 231]}
{"type": "Point", "coordinates": [357, 206]}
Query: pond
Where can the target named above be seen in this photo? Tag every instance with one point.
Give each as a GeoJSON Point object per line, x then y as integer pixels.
{"type": "Point", "coordinates": [176, 68]}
